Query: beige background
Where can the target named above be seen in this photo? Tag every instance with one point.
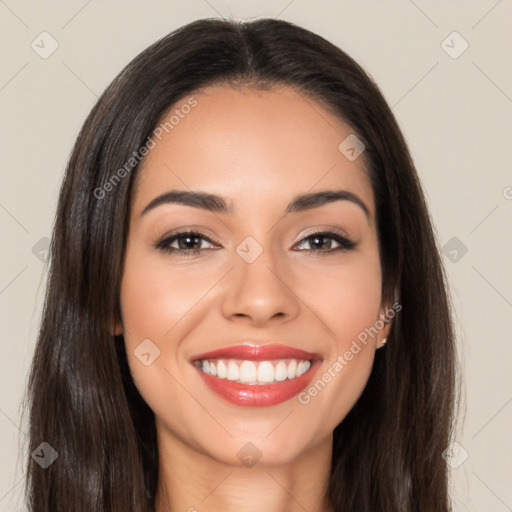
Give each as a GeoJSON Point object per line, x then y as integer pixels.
{"type": "Point", "coordinates": [455, 113]}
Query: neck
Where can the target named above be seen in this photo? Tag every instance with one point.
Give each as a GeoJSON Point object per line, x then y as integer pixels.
{"type": "Point", "coordinates": [190, 481]}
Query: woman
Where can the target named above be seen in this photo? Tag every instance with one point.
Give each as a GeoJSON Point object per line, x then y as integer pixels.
{"type": "Point", "coordinates": [246, 307]}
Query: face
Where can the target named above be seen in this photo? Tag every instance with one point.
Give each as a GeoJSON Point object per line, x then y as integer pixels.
{"type": "Point", "coordinates": [242, 312]}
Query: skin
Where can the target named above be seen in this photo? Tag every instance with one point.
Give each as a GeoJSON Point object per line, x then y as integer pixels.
{"type": "Point", "coordinates": [257, 149]}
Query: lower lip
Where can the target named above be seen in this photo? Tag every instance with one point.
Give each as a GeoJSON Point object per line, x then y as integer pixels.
{"type": "Point", "coordinates": [259, 395]}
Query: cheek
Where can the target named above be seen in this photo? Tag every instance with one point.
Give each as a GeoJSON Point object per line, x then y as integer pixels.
{"type": "Point", "coordinates": [154, 297]}
{"type": "Point", "coordinates": [161, 302]}
{"type": "Point", "coordinates": [348, 301]}
{"type": "Point", "coordinates": [348, 298]}
{"type": "Point", "coordinates": [153, 300]}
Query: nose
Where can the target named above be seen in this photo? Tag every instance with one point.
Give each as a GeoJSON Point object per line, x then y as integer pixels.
{"type": "Point", "coordinates": [260, 292]}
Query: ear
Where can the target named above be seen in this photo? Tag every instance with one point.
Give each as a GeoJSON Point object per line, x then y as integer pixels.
{"type": "Point", "coordinates": [386, 314]}
{"type": "Point", "coordinates": [118, 328]}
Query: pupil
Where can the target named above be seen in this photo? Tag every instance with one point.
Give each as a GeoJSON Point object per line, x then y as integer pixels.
{"type": "Point", "coordinates": [316, 238]}
{"type": "Point", "coordinates": [187, 241]}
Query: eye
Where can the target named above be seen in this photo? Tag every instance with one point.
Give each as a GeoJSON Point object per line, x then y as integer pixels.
{"type": "Point", "coordinates": [186, 243]}
{"type": "Point", "coordinates": [324, 240]}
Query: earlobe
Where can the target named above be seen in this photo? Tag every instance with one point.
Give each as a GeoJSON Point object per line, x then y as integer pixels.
{"type": "Point", "coordinates": [118, 329]}
{"type": "Point", "coordinates": [384, 325]}
{"type": "Point", "coordinates": [382, 337]}
{"type": "Point", "coordinates": [117, 321]}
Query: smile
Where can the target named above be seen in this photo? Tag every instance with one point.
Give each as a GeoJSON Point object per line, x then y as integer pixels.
{"type": "Point", "coordinates": [257, 376]}
{"type": "Point", "coordinates": [255, 373]}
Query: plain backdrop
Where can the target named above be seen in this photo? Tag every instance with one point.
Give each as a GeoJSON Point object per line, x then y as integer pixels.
{"type": "Point", "coordinates": [451, 93]}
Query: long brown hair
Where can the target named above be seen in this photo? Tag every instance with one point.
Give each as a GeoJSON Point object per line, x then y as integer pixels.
{"type": "Point", "coordinates": [387, 453]}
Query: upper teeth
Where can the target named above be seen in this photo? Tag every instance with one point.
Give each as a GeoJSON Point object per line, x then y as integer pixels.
{"type": "Point", "coordinates": [254, 372]}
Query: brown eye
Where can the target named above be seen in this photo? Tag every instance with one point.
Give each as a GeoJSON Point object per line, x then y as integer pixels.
{"type": "Point", "coordinates": [324, 240]}
{"type": "Point", "coordinates": [186, 242]}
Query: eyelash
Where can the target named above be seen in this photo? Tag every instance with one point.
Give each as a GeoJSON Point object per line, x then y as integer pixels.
{"type": "Point", "coordinates": [164, 245]}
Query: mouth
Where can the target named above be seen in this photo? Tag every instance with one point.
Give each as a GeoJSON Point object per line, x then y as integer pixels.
{"type": "Point", "coordinates": [257, 376]}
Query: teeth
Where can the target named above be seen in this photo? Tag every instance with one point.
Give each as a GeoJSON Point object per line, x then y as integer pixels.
{"type": "Point", "coordinates": [265, 371]}
{"type": "Point", "coordinates": [247, 371]}
{"type": "Point", "coordinates": [281, 371]}
{"type": "Point", "coordinates": [292, 369]}
{"type": "Point", "coordinates": [222, 370]}
{"type": "Point", "coordinates": [254, 372]}
{"type": "Point", "coordinates": [302, 368]}
{"type": "Point", "coordinates": [233, 371]}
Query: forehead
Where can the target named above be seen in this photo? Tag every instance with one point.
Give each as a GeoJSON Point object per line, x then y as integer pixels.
{"type": "Point", "coordinates": [254, 147]}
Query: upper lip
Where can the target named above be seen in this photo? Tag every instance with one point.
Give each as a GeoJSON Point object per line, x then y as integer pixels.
{"type": "Point", "coordinates": [252, 352]}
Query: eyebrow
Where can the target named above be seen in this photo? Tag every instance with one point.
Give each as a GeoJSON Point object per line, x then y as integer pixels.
{"type": "Point", "coordinates": [217, 204]}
